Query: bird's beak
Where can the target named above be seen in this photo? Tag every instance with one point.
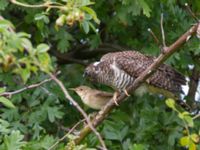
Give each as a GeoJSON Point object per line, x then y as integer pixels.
{"type": "Point", "coordinates": [72, 89]}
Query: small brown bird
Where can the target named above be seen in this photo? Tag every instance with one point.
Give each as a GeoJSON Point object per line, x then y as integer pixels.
{"type": "Point", "coordinates": [93, 98]}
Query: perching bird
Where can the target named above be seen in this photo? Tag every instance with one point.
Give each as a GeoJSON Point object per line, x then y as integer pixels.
{"type": "Point", "coordinates": [93, 98]}
{"type": "Point", "coordinates": [120, 69]}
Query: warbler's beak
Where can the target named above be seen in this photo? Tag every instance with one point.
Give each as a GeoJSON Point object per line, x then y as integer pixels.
{"type": "Point", "coordinates": [72, 89]}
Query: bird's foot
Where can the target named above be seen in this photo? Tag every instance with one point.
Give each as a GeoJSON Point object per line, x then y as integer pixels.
{"type": "Point", "coordinates": [125, 91]}
{"type": "Point", "coordinates": [115, 98]}
{"type": "Point", "coordinates": [92, 115]}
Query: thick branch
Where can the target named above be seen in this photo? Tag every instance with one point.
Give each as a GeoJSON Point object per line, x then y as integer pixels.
{"type": "Point", "coordinates": [83, 52]}
{"type": "Point", "coordinates": [194, 80]}
{"type": "Point", "coordinates": [146, 74]}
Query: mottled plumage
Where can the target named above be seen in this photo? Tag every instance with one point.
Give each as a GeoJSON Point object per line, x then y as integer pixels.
{"type": "Point", "coordinates": [120, 69]}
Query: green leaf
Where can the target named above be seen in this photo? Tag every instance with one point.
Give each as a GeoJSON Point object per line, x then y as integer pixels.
{"type": "Point", "coordinates": [47, 142]}
{"type": "Point", "coordinates": [3, 4]}
{"type": "Point", "coordinates": [42, 48]}
{"type": "Point", "coordinates": [6, 102]}
{"type": "Point", "coordinates": [2, 90]}
{"type": "Point", "coordinates": [4, 127]}
{"type": "Point", "coordinates": [192, 146]}
{"type": "Point", "coordinates": [14, 141]}
{"type": "Point", "coordinates": [170, 103]}
{"type": "Point", "coordinates": [145, 7]}
{"type": "Point", "coordinates": [27, 44]}
{"type": "Point", "coordinates": [189, 120]}
{"type": "Point", "coordinates": [92, 13]}
{"type": "Point", "coordinates": [64, 40]}
{"type": "Point", "coordinates": [86, 2]}
{"type": "Point", "coordinates": [180, 115]}
{"type": "Point", "coordinates": [85, 25]}
{"type": "Point", "coordinates": [41, 16]}
{"type": "Point", "coordinates": [25, 74]}
{"type": "Point", "coordinates": [137, 147]}
{"type": "Point", "coordinates": [184, 141]}
{"type": "Point", "coordinates": [195, 137]}
{"type": "Point", "coordinates": [53, 113]}
{"type": "Point", "coordinates": [6, 24]}
{"type": "Point", "coordinates": [44, 62]}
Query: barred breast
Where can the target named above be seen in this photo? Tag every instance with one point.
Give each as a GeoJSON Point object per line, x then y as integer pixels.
{"type": "Point", "coordinates": [121, 80]}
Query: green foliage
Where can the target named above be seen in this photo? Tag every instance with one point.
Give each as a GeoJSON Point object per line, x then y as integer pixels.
{"type": "Point", "coordinates": [189, 140]}
{"type": "Point", "coordinates": [6, 102]}
{"type": "Point", "coordinates": [78, 31]}
{"type": "Point", "coordinates": [13, 141]}
{"type": "Point", "coordinates": [13, 46]}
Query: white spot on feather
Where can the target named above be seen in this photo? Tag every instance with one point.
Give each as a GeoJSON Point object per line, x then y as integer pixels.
{"type": "Point", "coordinates": [115, 68]}
{"type": "Point", "coordinates": [96, 63]}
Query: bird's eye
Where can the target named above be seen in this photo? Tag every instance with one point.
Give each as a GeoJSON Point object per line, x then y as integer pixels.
{"type": "Point", "coordinates": [81, 89]}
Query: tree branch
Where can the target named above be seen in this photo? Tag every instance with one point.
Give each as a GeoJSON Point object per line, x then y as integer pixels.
{"type": "Point", "coordinates": [193, 85]}
{"type": "Point", "coordinates": [162, 31]}
{"type": "Point", "coordinates": [83, 52]}
{"type": "Point", "coordinates": [47, 4]}
{"type": "Point", "coordinates": [75, 104]}
{"type": "Point", "coordinates": [9, 94]}
{"type": "Point", "coordinates": [67, 134]}
{"type": "Point", "coordinates": [146, 74]}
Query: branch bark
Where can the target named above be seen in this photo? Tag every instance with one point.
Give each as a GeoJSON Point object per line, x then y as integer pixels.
{"type": "Point", "coordinates": [146, 74]}
{"type": "Point", "coordinates": [83, 52]}
{"type": "Point", "coordinates": [10, 94]}
{"type": "Point", "coordinates": [193, 85]}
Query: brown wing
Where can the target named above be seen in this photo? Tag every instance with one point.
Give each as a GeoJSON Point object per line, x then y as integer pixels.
{"type": "Point", "coordinates": [104, 94]}
{"type": "Point", "coordinates": [168, 78]}
{"type": "Point", "coordinates": [134, 63]}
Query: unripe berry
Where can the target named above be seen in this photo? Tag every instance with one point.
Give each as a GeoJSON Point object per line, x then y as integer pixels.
{"type": "Point", "coordinates": [81, 16]}
{"type": "Point", "coordinates": [61, 20]}
{"type": "Point", "coordinates": [70, 19]}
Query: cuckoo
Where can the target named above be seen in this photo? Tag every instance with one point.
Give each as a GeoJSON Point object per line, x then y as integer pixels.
{"type": "Point", "coordinates": [119, 70]}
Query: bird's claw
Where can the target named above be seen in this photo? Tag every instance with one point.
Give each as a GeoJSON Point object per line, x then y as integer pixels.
{"type": "Point", "coordinates": [115, 98]}
{"type": "Point", "coordinates": [125, 91]}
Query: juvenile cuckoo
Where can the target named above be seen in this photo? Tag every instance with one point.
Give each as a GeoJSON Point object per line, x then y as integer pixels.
{"type": "Point", "coordinates": [120, 69]}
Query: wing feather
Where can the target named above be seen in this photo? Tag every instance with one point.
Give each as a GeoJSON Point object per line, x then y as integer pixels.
{"type": "Point", "coordinates": [134, 63]}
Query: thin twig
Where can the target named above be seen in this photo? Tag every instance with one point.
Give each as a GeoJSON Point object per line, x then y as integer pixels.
{"type": "Point", "coordinates": [79, 109]}
{"type": "Point", "coordinates": [9, 94]}
{"type": "Point", "coordinates": [46, 4]}
{"type": "Point", "coordinates": [193, 85]}
{"type": "Point", "coordinates": [154, 36]}
{"type": "Point", "coordinates": [195, 117]}
{"type": "Point", "coordinates": [162, 30]}
{"type": "Point", "coordinates": [69, 132]}
{"type": "Point", "coordinates": [191, 13]}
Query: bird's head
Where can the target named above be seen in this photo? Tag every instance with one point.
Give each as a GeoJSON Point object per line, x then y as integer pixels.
{"type": "Point", "coordinates": [92, 71]}
{"type": "Point", "coordinates": [81, 90]}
